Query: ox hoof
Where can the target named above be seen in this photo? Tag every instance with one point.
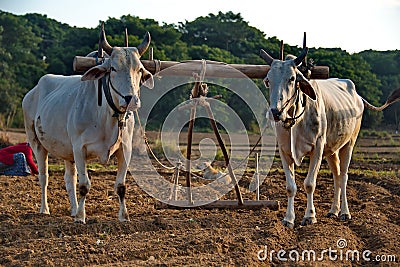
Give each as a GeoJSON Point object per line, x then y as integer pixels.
{"type": "Point", "coordinates": [123, 216]}
{"type": "Point", "coordinates": [79, 221]}
{"type": "Point", "coordinates": [345, 217]}
{"type": "Point", "coordinates": [331, 215]}
{"type": "Point", "coordinates": [45, 211]}
{"type": "Point", "coordinates": [308, 220]}
{"type": "Point", "coordinates": [288, 224]}
{"type": "Point", "coordinates": [124, 219]}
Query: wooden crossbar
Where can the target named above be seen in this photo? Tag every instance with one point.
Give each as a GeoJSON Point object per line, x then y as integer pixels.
{"type": "Point", "coordinates": [214, 69]}
{"type": "Point", "coordinates": [221, 204]}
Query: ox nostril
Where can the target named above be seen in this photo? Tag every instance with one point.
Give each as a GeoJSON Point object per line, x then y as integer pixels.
{"type": "Point", "coordinates": [128, 99]}
{"type": "Point", "coordinates": [275, 113]}
{"type": "Point", "coordinates": [134, 102]}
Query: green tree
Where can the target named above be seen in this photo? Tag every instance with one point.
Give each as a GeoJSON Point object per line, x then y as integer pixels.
{"type": "Point", "coordinates": [21, 67]}
{"type": "Point", "coordinates": [216, 54]}
{"type": "Point", "coordinates": [386, 65]}
{"type": "Point", "coordinates": [226, 31]}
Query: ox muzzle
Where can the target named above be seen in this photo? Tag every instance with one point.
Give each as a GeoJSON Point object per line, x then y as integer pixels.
{"type": "Point", "coordinates": [275, 114]}
{"type": "Point", "coordinates": [132, 102]}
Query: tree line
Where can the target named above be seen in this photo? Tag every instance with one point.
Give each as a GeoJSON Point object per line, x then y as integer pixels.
{"type": "Point", "coordinates": [32, 45]}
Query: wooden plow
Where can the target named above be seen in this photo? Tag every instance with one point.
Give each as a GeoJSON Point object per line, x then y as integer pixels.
{"type": "Point", "coordinates": [198, 98]}
{"type": "Point", "coordinates": [196, 68]}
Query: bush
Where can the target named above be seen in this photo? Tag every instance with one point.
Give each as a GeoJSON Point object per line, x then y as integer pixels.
{"type": "Point", "coordinates": [374, 133]}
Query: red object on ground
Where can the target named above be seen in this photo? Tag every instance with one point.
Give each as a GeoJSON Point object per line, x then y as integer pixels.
{"type": "Point", "coordinates": [7, 155]}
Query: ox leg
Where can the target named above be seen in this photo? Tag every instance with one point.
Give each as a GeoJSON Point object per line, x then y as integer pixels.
{"type": "Point", "coordinates": [42, 161]}
{"type": "Point", "coordinates": [41, 155]}
{"type": "Point", "coordinates": [310, 183]}
{"type": "Point", "coordinates": [345, 157]}
{"type": "Point", "coordinates": [84, 184]}
{"type": "Point", "coordinates": [120, 185]}
{"type": "Point", "coordinates": [291, 189]}
{"type": "Point", "coordinates": [70, 178]}
{"type": "Point", "coordinates": [333, 162]}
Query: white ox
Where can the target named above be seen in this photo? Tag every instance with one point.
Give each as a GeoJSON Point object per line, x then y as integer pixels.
{"type": "Point", "coordinates": [62, 118]}
{"type": "Point", "coordinates": [316, 118]}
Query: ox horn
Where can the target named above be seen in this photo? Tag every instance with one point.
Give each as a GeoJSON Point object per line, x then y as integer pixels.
{"type": "Point", "coordinates": [145, 44]}
{"type": "Point", "coordinates": [264, 55]}
{"type": "Point", "coordinates": [302, 56]}
{"type": "Point", "coordinates": [106, 46]}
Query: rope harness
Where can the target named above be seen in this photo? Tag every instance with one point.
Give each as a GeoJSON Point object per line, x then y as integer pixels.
{"type": "Point", "coordinates": [107, 93]}
{"type": "Point", "coordinates": [290, 121]}
{"type": "Point", "coordinates": [148, 145]}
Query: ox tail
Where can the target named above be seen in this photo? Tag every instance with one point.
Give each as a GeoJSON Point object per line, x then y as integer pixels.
{"type": "Point", "coordinates": [393, 98]}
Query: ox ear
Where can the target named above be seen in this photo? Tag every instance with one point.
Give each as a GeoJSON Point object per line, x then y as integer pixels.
{"type": "Point", "coordinates": [307, 89]}
{"type": "Point", "coordinates": [147, 79]}
{"type": "Point", "coordinates": [94, 73]}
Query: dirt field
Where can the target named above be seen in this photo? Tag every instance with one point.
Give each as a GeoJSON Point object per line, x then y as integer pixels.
{"type": "Point", "coordinates": [199, 237]}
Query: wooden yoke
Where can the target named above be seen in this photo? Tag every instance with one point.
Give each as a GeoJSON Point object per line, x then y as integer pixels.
{"type": "Point", "coordinates": [215, 69]}
{"type": "Point", "coordinates": [126, 42]}
{"type": "Point", "coordinates": [82, 64]}
{"type": "Point", "coordinates": [306, 67]}
{"type": "Point", "coordinates": [100, 54]}
{"type": "Point", "coordinates": [304, 46]}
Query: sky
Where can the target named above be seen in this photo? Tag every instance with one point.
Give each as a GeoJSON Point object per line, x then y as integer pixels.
{"type": "Point", "coordinates": [353, 25]}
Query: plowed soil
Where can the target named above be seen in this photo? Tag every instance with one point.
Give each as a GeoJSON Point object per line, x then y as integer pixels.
{"type": "Point", "coordinates": [200, 237]}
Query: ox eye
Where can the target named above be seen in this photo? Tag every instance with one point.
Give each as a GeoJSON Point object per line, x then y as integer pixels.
{"type": "Point", "coordinates": [292, 79]}
{"type": "Point", "coordinates": [113, 69]}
